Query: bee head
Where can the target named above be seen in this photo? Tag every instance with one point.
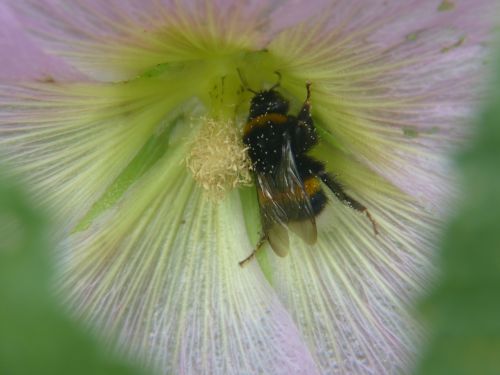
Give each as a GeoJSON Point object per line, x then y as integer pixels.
{"type": "Point", "coordinates": [268, 101]}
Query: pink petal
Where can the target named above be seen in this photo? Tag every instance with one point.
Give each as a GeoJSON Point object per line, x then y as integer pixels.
{"type": "Point", "coordinates": [351, 293]}
{"type": "Point", "coordinates": [166, 280]}
{"type": "Point", "coordinates": [21, 59]}
{"type": "Point", "coordinates": [93, 35]}
{"type": "Point", "coordinates": [160, 268]}
{"type": "Point", "coordinates": [399, 82]}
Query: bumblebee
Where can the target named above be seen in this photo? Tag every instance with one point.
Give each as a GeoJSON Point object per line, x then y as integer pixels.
{"type": "Point", "coordinates": [288, 180]}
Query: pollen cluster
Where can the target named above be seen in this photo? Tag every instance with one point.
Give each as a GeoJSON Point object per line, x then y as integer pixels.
{"type": "Point", "coordinates": [218, 160]}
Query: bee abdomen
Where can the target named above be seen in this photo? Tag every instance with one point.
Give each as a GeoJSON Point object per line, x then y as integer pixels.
{"type": "Point", "coordinates": [317, 196]}
{"type": "Point", "coordinates": [262, 121]}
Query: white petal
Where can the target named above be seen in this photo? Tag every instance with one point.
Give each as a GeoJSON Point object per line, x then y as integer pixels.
{"type": "Point", "coordinates": [70, 142]}
{"type": "Point", "coordinates": [118, 39]}
{"type": "Point", "coordinates": [394, 83]}
{"type": "Point", "coordinates": [350, 293]}
{"type": "Point", "coordinates": [161, 271]}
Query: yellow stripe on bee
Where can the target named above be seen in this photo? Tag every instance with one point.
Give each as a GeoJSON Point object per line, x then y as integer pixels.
{"type": "Point", "coordinates": [311, 186]}
{"type": "Point", "coordinates": [275, 118]}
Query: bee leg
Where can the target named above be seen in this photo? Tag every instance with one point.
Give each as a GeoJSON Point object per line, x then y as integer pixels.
{"type": "Point", "coordinates": [339, 192]}
{"type": "Point", "coordinates": [305, 136]}
{"type": "Point", "coordinates": [305, 111]}
{"type": "Point", "coordinates": [254, 252]}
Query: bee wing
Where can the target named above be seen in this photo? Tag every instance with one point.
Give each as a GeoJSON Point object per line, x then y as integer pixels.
{"type": "Point", "coordinates": [273, 214]}
{"type": "Point", "coordinates": [284, 204]}
{"type": "Point", "coordinates": [277, 236]}
{"type": "Point", "coordinates": [301, 218]}
{"type": "Point", "coordinates": [305, 230]}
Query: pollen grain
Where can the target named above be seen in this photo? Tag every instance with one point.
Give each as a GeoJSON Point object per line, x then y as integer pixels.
{"type": "Point", "coordinates": [218, 160]}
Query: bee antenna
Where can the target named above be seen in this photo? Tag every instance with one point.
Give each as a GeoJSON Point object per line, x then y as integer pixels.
{"type": "Point", "coordinates": [277, 84]}
{"type": "Point", "coordinates": [244, 82]}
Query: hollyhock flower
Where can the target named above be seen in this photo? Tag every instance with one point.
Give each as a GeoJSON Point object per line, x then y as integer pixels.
{"type": "Point", "coordinates": [125, 117]}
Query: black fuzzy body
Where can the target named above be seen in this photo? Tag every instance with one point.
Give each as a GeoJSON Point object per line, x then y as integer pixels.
{"type": "Point", "coordinates": [288, 180]}
{"type": "Point", "coordinates": [268, 127]}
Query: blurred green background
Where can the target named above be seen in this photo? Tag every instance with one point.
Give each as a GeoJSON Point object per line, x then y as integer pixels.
{"type": "Point", "coordinates": [36, 337]}
{"type": "Point", "coordinates": [462, 312]}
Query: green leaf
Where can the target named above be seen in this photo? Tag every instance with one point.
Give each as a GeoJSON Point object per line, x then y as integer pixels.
{"type": "Point", "coordinates": [36, 336]}
{"type": "Point", "coordinates": [463, 311]}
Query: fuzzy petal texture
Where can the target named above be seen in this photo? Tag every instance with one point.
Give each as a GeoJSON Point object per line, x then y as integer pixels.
{"type": "Point", "coordinates": [21, 59]}
{"type": "Point", "coordinates": [70, 142]}
{"type": "Point", "coordinates": [350, 293]}
{"type": "Point", "coordinates": [168, 282]}
{"type": "Point", "coordinates": [394, 95]}
{"type": "Point", "coordinates": [113, 40]}
{"type": "Point", "coordinates": [156, 265]}
{"type": "Point", "coordinates": [399, 81]}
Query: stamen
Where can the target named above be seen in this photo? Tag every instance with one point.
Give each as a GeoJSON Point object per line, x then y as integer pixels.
{"type": "Point", "coordinates": [218, 160]}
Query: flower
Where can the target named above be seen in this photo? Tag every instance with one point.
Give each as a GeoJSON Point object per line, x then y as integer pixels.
{"type": "Point", "coordinates": [117, 114]}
